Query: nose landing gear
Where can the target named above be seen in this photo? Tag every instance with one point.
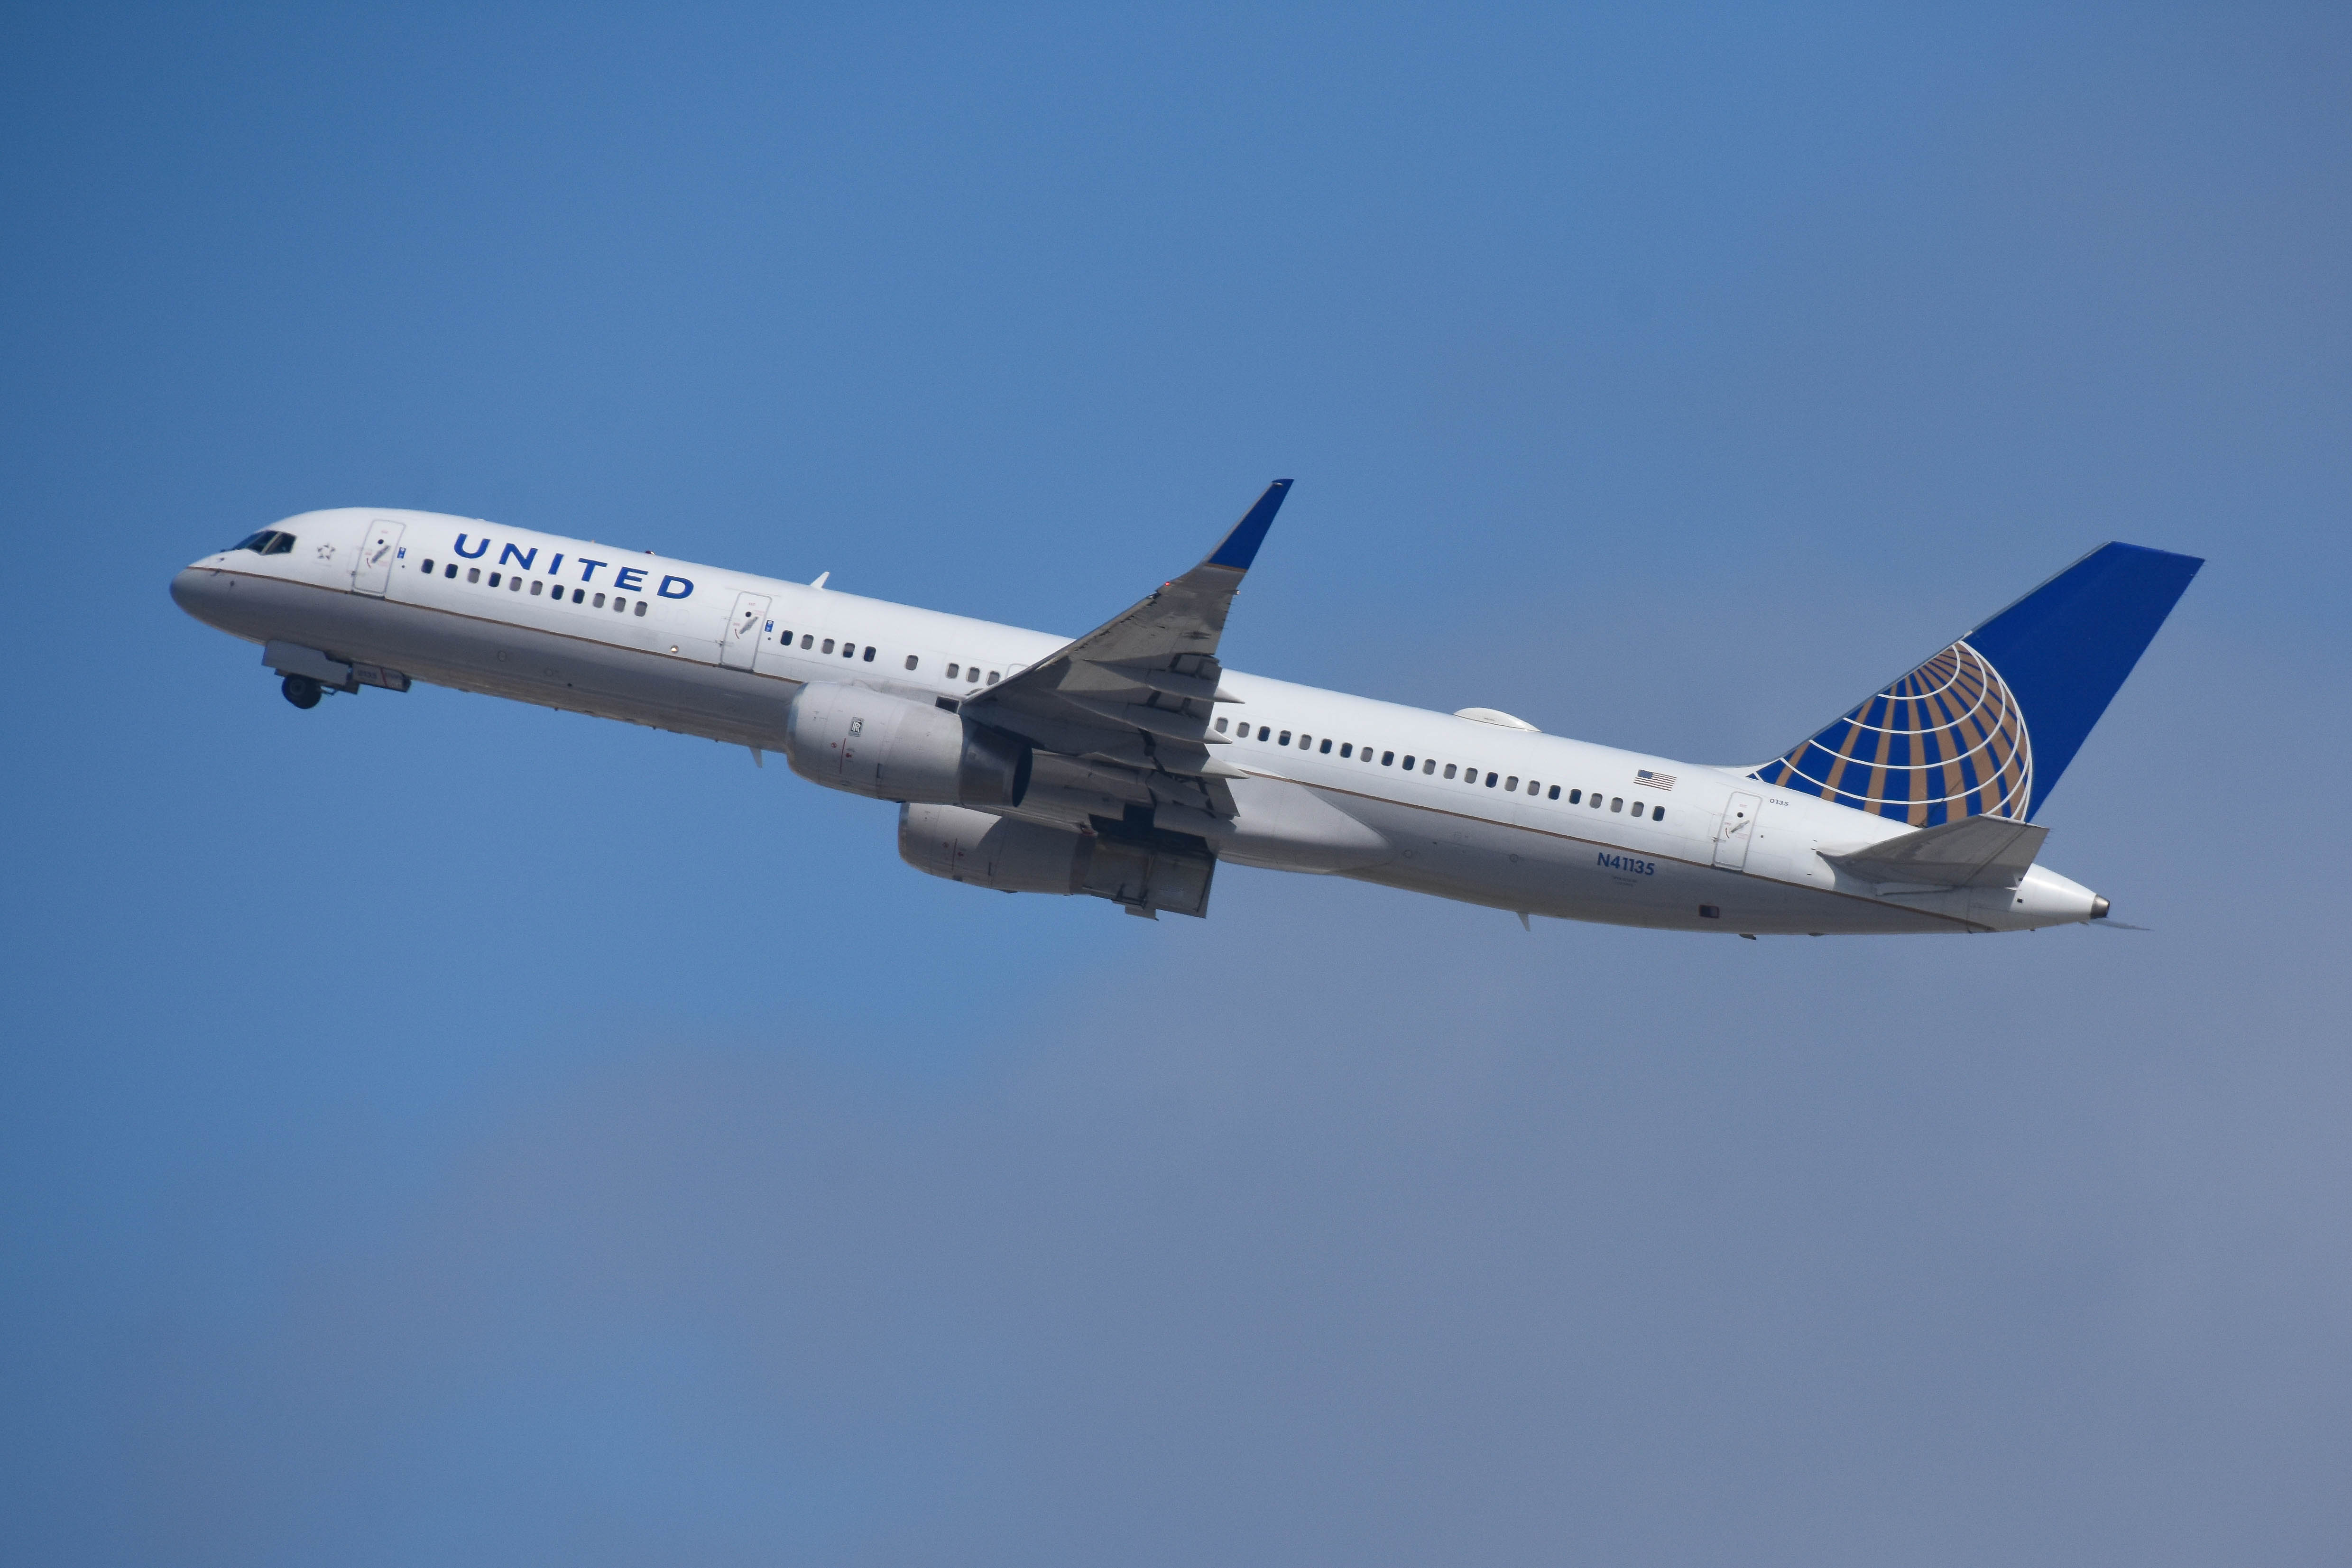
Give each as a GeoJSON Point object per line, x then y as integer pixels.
{"type": "Point", "coordinates": [302, 691]}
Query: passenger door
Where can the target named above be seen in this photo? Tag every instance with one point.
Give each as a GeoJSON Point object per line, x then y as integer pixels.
{"type": "Point", "coordinates": [1738, 830]}
{"type": "Point", "coordinates": [742, 647]}
{"type": "Point", "coordinates": [373, 572]}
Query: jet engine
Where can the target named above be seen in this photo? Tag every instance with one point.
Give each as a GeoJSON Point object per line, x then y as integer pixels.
{"type": "Point", "coordinates": [869, 742]}
{"type": "Point", "coordinates": [1144, 873]}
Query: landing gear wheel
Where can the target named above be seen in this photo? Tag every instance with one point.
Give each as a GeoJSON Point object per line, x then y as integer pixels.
{"type": "Point", "coordinates": [302, 691]}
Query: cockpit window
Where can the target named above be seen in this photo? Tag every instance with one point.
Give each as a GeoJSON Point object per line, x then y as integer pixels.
{"type": "Point", "coordinates": [279, 544]}
{"type": "Point", "coordinates": [269, 542]}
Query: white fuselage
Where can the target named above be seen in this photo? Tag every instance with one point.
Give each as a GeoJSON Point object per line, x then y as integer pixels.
{"type": "Point", "coordinates": [571, 625]}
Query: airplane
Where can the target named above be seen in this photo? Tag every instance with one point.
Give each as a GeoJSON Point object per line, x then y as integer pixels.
{"type": "Point", "coordinates": [1128, 763]}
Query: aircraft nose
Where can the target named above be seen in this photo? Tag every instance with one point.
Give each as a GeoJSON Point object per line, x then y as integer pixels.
{"type": "Point", "coordinates": [202, 594]}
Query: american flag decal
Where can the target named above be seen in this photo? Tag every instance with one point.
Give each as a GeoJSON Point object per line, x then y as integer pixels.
{"type": "Point", "coordinates": [1648, 780]}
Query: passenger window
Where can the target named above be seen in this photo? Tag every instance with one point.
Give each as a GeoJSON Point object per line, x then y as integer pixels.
{"type": "Point", "coordinates": [1617, 805]}
{"type": "Point", "coordinates": [1304, 742]}
{"type": "Point", "coordinates": [1512, 783]}
{"type": "Point", "coordinates": [514, 584]}
{"type": "Point", "coordinates": [428, 568]}
{"type": "Point", "coordinates": [1575, 796]}
{"type": "Point", "coordinates": [1555, 793]}
{"type": "Point", "coordinates": [1595, 801]}
{"type": "Point", "coordinates": [1658, 813]}
{"type": "Point", "coordinates": [494, 579]}
{"type": "Point", "coordinates": [849, 650]}
{"type": "Point", "coordinates": [785, 640]}
{"type": "Point", "coordinates": [1326, 747]}
{"type": "Point", "coordinates": [951, 671]}
{"type": "Point", "coordinates": [1490, 780]}
{"type": "Point", "coordinates": [1534, 788]}
{"type": "Point", "coordinates": [619, 604]}
{"type": "Point", "coordinates": [972, 673]}
{"type": "Point", "coordinates": [1221, 725]}
{"type": "Point", "coordinates": [473, 573]}
{"type": "Point", "coordinates": [869, 656]}
{"type": "Point", "coordinates": [1449, 770]}
{"type": "Point", "coordinates": [1264, 732]}
{"type": "Point", "coordinates": [1387, 759]}
{"type": "Point", "coordinates": [1283, 739]}
{"type": "Point", "coordinates": [1348, 749]}
{"type": "Point", "coordinates": [828, 645]}
{"type": "Point", "coordinates": [1430, 766]}
{"type": "Point", "coordinates": [806, 640]}
{"type": "Point", "coordinates": [1637, 808]}
{"type": "Point", "coordinates": [991, 678]}
{"type": "Point", "coordinates": [579, 596]}
{"type": "Point", "coordinates": [912, 661]}
{"type": "Point", "coordinates": [537, 587]}
{"type": "Point", "coordinates": [600, 601]}
{"type": "Point", "coordinates": [641, 607]}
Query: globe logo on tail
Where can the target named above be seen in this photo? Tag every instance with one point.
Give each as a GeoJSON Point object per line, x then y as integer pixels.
{"type": "Point", "coordinates": [1947, 742]}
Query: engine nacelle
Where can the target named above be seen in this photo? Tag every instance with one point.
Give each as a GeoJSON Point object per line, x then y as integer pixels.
{"type": "Point", "coordinates": [1030, 857]}
{"type": "Point", "coordinates": [992, 851]}
{"type": "Point", "coordinates": [869, 742]}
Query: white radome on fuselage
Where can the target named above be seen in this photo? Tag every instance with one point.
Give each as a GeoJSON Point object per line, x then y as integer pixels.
{"type": "Point", "coordinates": [673, 665]}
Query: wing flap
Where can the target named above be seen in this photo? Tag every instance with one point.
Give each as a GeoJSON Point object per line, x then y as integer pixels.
{"type": "Point", "coordinates": [1168, 723]}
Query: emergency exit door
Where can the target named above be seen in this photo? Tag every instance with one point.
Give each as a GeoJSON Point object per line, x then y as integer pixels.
{"type": "Point", "coordinates": [1738, 830]}
{"type": "Point", "coordinates": [744, 631]}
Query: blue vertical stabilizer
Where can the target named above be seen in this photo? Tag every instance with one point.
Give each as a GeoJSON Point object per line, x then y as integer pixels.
{"type": "Point", "coordinates": [1986, 726]}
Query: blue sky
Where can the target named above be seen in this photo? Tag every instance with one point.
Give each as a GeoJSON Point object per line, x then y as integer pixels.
{"type": "Point", "coordinates": [431, 1129]}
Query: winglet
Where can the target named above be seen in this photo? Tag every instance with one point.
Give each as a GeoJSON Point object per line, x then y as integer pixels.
{"type": "Point", "coordinates": [1240, 547]}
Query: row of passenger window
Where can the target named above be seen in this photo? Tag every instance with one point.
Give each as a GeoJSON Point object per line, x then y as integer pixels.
{"type": "Point", "coordinates": [1429, 766]}
{"type": "Point", "coordinates": [622, 604]}
{"type": "Point", "coordinates": [972, 673]}
{"type": "Point", "coordinates": [850, 650]}
{"type": "Point", "coordinates": [809, 643]}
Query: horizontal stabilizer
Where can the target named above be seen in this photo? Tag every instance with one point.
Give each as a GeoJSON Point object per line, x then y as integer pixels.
{"type": "Point", "coordinates": [1974, 852]}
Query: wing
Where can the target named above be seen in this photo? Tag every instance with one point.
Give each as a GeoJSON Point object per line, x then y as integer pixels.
{"type": "Point", "coordinates": [1138, 691]}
